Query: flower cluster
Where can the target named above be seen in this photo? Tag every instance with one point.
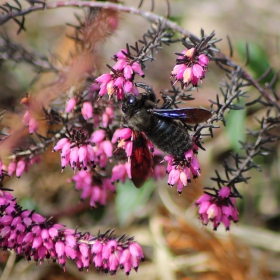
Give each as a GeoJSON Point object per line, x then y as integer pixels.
{"type": "Point", "coordinates": [179, 172]}
{"type": "Point", "coordinates": [190, 67]}
{"type": "Point", "coordinates": [120, 79]}
{"type": "Point", "coordinates": [76, 150]}
{"type": "Point", "coordinates": [31, 235]}
{"type": "Point", "coordinates": [93, 187]}
{"type": "Point", "coordinates": [218, 208]}
{"type": "Point", "coordinates": [114, 253]}
{"type": "Point", "coordinates": [102, 113]}
{"type": "Point", "coordinates": [79, 152]}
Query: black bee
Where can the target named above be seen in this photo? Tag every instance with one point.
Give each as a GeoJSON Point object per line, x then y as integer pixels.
{"type": "Point", "coordinates": [161, 126]}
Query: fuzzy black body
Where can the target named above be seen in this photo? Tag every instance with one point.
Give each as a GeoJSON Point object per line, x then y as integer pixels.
{"type": "Point", "coordinates": [167, 134]}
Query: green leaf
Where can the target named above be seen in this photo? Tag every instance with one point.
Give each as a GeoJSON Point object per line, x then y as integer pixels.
{"type": "Point", "coordinates": [235, 128]}
{"type": "Point", "coordinates": [28, 203]}
{"type": "Point", "coordinates": [258, 60]}
{"type": "Point", "coordinates": [130, 201]}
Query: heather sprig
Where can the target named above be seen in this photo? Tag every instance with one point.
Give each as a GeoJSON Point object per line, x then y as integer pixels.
{"type": "Point", "coordinates": [80, 115]}
{"type": "Point", "coordinates": [36, 238]}
{"type": "Point", "coordinates": [131, 62]}
{"type": "Point", "coordinates": [239, 164]}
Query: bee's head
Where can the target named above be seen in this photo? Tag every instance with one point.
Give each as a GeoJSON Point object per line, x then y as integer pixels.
{"type": "Point", "coordinates": [131, 104]}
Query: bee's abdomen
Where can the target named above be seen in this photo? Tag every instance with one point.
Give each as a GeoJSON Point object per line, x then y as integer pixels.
{"type": "Point", "coordinates": [168, 136]}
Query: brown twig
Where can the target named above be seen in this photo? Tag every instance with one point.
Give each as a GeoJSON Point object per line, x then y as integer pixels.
{"type": "Point", "coordinates": [148, 15]}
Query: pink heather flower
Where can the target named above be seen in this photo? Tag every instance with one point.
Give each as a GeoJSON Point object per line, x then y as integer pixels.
{"type": "Point", "coordinates": [195, 167]}
{"type": "Point", "coordinates": [178, 71]}
{"type": "Point", "coordinates": [110, 112]}
{"type": "Point", "coordinates": [188, 75]}
{"type": "Point", "coordinates": [203, 60]}
{"type": "Point", "coordinates": [179, 173]}
{"type": "Point", "coordinates": [120, 134]}
{"type": "Point", "coordinates": [71, 103]}
{"type": "Point", "coordinates": [33, 126]}
{"type": "Point", "coordinates": [120, 79]}
{"type": "Point", "coordinates": [107, 147]}
{"type": "Point", "coordinates": [138, 69]}
{"type": "Point", "coordinates": [97, 136]}
{"type": "Point", "coordinates": [105, 120]}
{"type": "Point", "coordinates": [159, 171]}
{"type": "Point", "coordinates": [105, 78]}
{"type": "Point", "coordinates": [135, 90]}
{"type": "Point", "coordinates": [102, 151]}
{"type": "Point", "coordinates": [119, 82]}
{"type": "Point", "coordinates": [107, 116]}
{"type": "Point", "coordinates": [87, 110]}
{"type": "Point", "coordinates": [92, 89]}
{"type": "Point", "coordinates": [26, 118]}
{"type": "Point", "coordinates": [120, 64]}
{"type": "Point", "coordinates": [119, 173]}
{"type": "Point", "coordinates": [119, 93]}
{"type": "Point", "coordinates": [35, 159]}
{"type": "Point", "coordinates": [183, 178]}
{"type": "Point", "coordinates": [82, 155]}
{"type": "Point", "coordinates": [173, 177]}
{"type": "Point", "coordinates": [74, 157]}
{"type": "Point", "coordinates": [127, 72]}
{"type": "Point", "coordinates": [128, 86]}
{"type": "Point", "coordinates": [190, 67]}
{"type": "Point", "coordinates": [136, 251]}
{"type": "Point", "coordinates": [30, 122]}
{"type": "Point", "coordinates": [197, 71]}
{"type": "Point", "coordinates": [64, 161]}
{"type": "Point", "coordinates": [189, 53]}
{"type": "Point", "coordinates": [120, 54]}
{"type": "Point", "coordinates": [103, 89]}
{"type": "Point", "coordinates": [111, 88]}
{"type": "Point", "coordinates": [169, 159]}
{"type": "Point", "coordinates": [217, 208]}
{"type": "Point", "coordinates": [204, 197]}
{"type": "Point", "coordinates": [59, 145]}
{"type": "Point", "coordinates": [224, 192]}
{"type": "Point", "coordinates": [65, 149]}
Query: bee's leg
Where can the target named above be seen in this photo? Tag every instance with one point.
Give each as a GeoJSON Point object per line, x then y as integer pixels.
{"type": "Point", "coordinates": [148, 90]}
{"type": "Point", "coordinates": [125, 125]}
{"type": "Point", "coordinates": [168, 100]}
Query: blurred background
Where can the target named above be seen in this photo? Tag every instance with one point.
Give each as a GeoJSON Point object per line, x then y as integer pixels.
{"type": "Point", "coordinates": [176, 245]}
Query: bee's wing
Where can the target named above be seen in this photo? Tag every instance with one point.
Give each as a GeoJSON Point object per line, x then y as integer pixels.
{"type": "Point", "coordinates": [188, 115]}
{"type": "Point", "coordinates": [141, 160]}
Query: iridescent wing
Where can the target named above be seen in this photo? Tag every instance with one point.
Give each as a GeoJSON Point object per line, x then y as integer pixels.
{"type": "Point", "coordinates": [188, 115]}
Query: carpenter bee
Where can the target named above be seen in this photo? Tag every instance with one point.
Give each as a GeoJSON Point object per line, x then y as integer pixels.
{"type": "Point", "coordinates": [162, 126]}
